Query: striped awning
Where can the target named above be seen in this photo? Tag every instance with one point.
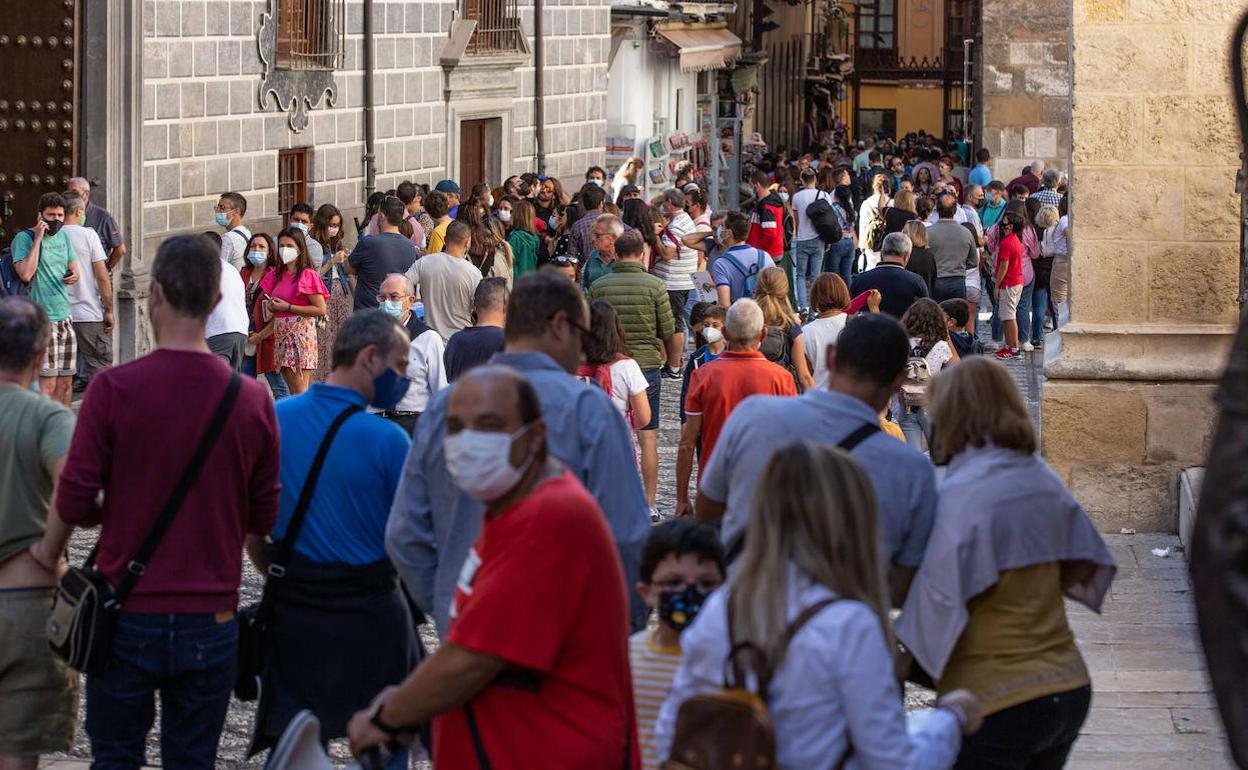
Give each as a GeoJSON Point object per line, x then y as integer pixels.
{"type": "Point", "coordinates": [702, 46]}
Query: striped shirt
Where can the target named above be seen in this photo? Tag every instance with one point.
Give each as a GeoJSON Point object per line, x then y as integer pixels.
{"type": "Point", "coordinates": [678, 273]}
{"type": "Point", "coordinates": [654, 668]}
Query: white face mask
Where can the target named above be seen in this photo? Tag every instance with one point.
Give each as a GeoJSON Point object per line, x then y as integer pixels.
{"type": "Point", "coordinates": [333, 230]}
{"type": "Point", "coordinates": [288, 254]}
{"type": "Point", "coordinates": [480, 463]}
{"type": "Point", "coordinates": [504, 215]}
{"type": "Point", "coordinates": [490, 201]}
{"type": "Point", "coordinates": [712, 335]}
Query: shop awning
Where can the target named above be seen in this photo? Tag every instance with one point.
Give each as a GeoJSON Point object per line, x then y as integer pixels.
{"type": "Point", "coordinates": [702, 47]}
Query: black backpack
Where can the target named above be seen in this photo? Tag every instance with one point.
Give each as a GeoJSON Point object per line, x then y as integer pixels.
{"type": "Point", "coordinates": [777, 347]}
{"type": "Point", "coordinates": [824, 219]}
{"type": "Point", "coordinates": [10, 284]}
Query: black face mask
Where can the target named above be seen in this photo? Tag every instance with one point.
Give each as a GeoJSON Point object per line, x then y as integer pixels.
{"type": "Point", "coordinates": [54, 226]}
{"type": "Point", "coordinates": [679, 608]}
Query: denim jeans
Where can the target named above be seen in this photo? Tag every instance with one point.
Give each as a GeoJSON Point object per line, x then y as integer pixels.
{"type": "Point", "coordinates": [1039, 306]}
{"type": "Point", "coordinates": [276, 384]}
{"type": "Point", "coordinates": [916, 427]}
{"type": "Point", "coordinates": [1035, 735]}
{"type": "Point", "coordinates": [998, 333]}
{"type": "Point", "coordinates": [952, 287]}
{"type": "Point", "coordinates": [809, 266]}
{"type": "Point", "coordinates": [191, 660]}
{"type": "Point", "coordinates": [840, 259]}
{"type": "Point", "coordinates": [1024, 313]}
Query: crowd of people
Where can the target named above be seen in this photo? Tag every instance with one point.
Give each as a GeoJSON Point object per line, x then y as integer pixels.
{"type": "Point", "coordinates": [452, 418]}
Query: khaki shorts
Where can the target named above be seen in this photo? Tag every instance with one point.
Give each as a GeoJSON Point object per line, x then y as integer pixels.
{"type": "Point", "coordinates": [1010, 295]}
{"type": "Point", "coordinates": [39, 692]}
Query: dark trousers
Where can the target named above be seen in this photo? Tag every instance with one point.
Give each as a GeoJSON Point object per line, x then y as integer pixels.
{"type": "Point", "coordinates": [191, 660]}
{"type": "Point", "coordinates": [1036, 735]}
{"type": "Point", "coordinates": [952, 287]}
{"type": "Point", "coordinates": [230, 347]}
{"type": "Point", "coordinates": [405, 420]}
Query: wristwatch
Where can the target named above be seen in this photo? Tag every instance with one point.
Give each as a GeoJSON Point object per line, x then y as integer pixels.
{"type": "Point", "coordinates": [375, 720]}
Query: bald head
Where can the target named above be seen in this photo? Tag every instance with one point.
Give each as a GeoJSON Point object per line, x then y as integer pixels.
{"type": "Point", "coordinates": [495, 399]}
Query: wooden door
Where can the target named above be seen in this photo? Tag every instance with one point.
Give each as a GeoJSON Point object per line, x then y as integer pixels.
{"type": "Point", "coordinates": [38, 106]}
{"type": "Point", "coordinates": [472, 153]}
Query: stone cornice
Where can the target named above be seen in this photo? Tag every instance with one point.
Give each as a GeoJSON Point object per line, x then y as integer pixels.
{"type": "Point", "coordinates": [1140, 352]}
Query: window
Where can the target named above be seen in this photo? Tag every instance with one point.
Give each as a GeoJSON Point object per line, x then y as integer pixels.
{"type": "Point", "coordinates": [876, 25]}
{"type": "Point", "coordinates": [872, 122]}
{"type": "Point", "coordinates": [292, 178]}
{"type": "Point", "coordinates": [310, 34]}
{"type": "Point", "coordinates": [498, 26]}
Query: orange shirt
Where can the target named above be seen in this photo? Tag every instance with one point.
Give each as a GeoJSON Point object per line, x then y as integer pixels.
{"type": "Point", "coordinates": [716, 388]}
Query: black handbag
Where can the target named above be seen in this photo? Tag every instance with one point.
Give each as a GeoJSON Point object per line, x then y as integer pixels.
{"type": "Point", "coordinates": [253, 618]}
{"type": "Point", "coordinates": [85, 607]}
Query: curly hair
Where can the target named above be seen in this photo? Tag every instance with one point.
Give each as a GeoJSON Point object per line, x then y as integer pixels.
{"type": "Point", "coordinates": [926, 321]}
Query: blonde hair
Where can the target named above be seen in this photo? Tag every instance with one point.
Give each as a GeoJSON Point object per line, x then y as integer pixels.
{"type": "Point", "coordinates": [903, 200]}
{"type": "Point", "coordinates": [1047, 216]}
{"type": "Point", "coordinates": [814, 509]}
{"type": "Point", "coordinates": [772, 295]}
{"type": "Point", "coordinates": [977, 403]}
{"type": "Point", "coordinates": [916, 231]}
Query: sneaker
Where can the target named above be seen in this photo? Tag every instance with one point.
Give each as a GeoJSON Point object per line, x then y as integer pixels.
{"type": "Point", "coordinates": [670, 373]}
{"type": "Point", "coordinates": [654, 516]}
{"type": "Point", "coordinates": [1028, 347]}
{"type": "Point", "coordinates": [1006, 354]}
{"type": "Point", "coordinates": [1038, 344]}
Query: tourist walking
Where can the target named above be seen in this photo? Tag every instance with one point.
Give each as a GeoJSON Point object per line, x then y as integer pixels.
{"type": "Point", "coordinates": [258, 359]}
{"type": "Point", "coordinates": [446, 280]}
{"type": "Point", "coordinates": [91, 298]}
{"type": "Point", "coordinates": [898, 287]}
{"type": "Point", "coordinates": [953, 248]}
{"type": "Point", "coordinates": [928, 328]}
{"type": "Point", "coordinates": [377, 256]}
{"type": "Point", "coordinates": [327, 231]}
{"type": "Point", "coordinates": [783, 344]}
{"type": "Point", "coordinates": [476, 344]}
{"type": "Point", "coordinates": [608, 365]}
{"type": "Point", "coordinates": [295, 299]}
{"type": "Point", "coordinates": [425, 370]}
{"type": "Point", "coordinates": [98, 219]}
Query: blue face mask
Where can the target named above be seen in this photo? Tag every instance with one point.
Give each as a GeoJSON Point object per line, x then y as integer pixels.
{"type": "Point", "coordinates": [257, 258]}
{"type": "Point", "coordinates": [393, 308]}
{"type": "Point", "coordinates": [222, 219]}
{"type": "Point", "coordinates": [300, 226]}
{"type": "Point", "coordinates": [388, 390]}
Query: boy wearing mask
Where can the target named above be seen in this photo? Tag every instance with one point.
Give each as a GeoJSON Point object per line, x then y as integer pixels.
{"type": "Point", "coordinates": [682, 562]}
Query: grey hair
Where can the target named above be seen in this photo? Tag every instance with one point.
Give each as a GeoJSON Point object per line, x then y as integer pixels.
{"type": "Point", "coordinates": [1051, 177]}
{"type": "Point", "coordinates": [78, 181]}
{"type": "Point", "coordinates": [674, 197]}
{"type": "Point", "coordinates": [743, 322]}
{"type": "Point", "coordinates": [897, 245]}
{"type": "Point", "coordinates": [73, 203]}
{"type": "Point", "coordinates": [491, 293]}
{"type": "Point", "coordinates": [407, 283]}
{"type": "Point", "coordinates": [615, 227]}
{"type": "Point", "coordinates": [24, 333]}
{"type": "Point", "coordinates": [364, 328]}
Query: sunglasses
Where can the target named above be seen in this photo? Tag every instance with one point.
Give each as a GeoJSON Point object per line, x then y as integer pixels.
{"type": "Point", "coordinates": [564, 259]}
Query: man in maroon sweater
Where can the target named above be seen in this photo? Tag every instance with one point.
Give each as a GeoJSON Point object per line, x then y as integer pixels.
{"type": "Point", "coordinates": [139, 425]}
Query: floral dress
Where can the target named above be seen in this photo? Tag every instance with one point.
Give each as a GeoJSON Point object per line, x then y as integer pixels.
{"type": "Point", "coordinates": [294, 336]}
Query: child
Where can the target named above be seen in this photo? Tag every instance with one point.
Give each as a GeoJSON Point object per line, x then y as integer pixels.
{"type": "Point", "coordinates": [960, 332]}
{"type": "Point", "coordinates": [707, 322]}
{"type": "Point", "coordinates": [607, 363]}
{"type": "Point", "coordinates": [682, 562]}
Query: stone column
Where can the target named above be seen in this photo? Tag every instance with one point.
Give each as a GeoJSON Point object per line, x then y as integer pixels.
{"type": "Point", "coordinates": [1154, 253]}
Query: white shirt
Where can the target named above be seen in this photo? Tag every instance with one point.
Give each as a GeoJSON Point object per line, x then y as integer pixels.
{"type": "Point", "coordinates": [833, 690]}
{"type": "Point", "coordinates": [678, 273]}
{"type": "Point", "coordinates": [816, 337]}
{"type": "Point", "coordinates": [84, 296]}
{"type": "Point", "coordinates": [234, 246]}
{"type": "Point", "coordinates": [803, 199]}
{"type": "Point", "coordinates": [959, 216]}
{"type": "Point", "coordinates": [937, 357]}
{"type": "Point", "coordinates": [626, 382]}
{"type": "Point", "coordinates": [230, 314]}
{"type": "Point", "coordinates": [426, 371]}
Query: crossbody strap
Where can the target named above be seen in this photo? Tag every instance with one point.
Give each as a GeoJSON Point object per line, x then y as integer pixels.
{"type": "Point", "coordinates": [138, 564]}
{"type": "Point", "coordinates": [277, 568]}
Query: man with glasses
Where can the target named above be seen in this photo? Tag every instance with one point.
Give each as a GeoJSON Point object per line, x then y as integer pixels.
{"type": "Point", "coordinates": [425, 369]}
{"type": "Point", "coordinates": [433, 523]}
{"type": "Point", "coordinates": [897, 168]}
{"type": "Point", "coordinates": [230, 210]}
{"type": "Point", "coordinates": [606, 228]}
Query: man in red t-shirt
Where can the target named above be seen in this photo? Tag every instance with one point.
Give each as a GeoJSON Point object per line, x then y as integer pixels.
{"type": "Point", "coordinates": [767, 221]}
{"type": "Point", "coordinates": [716, 388]}
{"type": "Point", "coordinates": [534, 672]}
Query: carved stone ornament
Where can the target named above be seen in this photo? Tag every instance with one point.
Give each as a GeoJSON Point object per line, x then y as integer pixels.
{"type": "Point", "coordinates": [293, 91]}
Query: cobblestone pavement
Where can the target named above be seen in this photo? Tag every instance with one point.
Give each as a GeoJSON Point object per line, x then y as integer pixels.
{"type": "Point", "coordinates": [1151, 709]}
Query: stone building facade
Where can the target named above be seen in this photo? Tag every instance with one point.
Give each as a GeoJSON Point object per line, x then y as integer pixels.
{"type": "Point", "coordinates": [196, 122]}
{"type": "Point", "coordinates": [1025, 77]}
{"type": "Point", "coordinates": [1155, 255]}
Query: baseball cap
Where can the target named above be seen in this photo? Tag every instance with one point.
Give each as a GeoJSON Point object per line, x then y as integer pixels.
{"type": "Point", "coordinates": [447, 186]}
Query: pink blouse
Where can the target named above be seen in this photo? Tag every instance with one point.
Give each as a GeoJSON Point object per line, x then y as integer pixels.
{"type": "Point", "coordinates": [289, 290]}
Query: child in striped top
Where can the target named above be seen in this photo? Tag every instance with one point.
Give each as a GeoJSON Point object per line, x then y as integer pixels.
{"type": "Point", "coordinates": [682, 562]}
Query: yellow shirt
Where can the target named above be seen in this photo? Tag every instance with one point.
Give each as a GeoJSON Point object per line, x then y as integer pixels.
{"type": "Point", "coordinates": [654, 668]}
{"type": "Point", "coordinates": [1017, 645]}
{"type": "Point", "coordinates": [437, 238]}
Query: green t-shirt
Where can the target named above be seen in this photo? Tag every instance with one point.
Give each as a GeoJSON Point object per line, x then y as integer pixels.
{"type": "Point", "coordinates": [34, 435]}
{"type": "Point", "coordinates": [48, 286]}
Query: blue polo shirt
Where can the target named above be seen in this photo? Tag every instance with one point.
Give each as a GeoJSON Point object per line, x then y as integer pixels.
{"type": "Point", "coordinates": [346, 521]}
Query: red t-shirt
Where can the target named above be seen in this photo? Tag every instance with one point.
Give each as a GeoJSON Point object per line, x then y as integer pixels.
{"type": "Point", "coordinates": [543, 589]}
{"type": "Point", "coordinates": [1011, 250]}
{"type": "Point", "coordinates": [716, 388]}
{"type": "Point", "coordinates": [767, 226]}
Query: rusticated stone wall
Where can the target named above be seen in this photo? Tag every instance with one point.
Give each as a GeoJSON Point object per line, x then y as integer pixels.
{"type": "Point", "coordinates": [1154, 255]}
{"type": "Point", "coordinates": [1025, 73]}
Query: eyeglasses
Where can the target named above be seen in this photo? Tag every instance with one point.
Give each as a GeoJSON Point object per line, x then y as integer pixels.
{"type": "Point", "coordinates": [393, 296]}
{"type": "Point", "coordinates": [564, 259]}
{"type": "Point", "coordinates": [222, 209]}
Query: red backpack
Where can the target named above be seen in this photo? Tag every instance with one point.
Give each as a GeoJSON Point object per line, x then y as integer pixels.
{"type": "Point", "coordinates": [600, 375]}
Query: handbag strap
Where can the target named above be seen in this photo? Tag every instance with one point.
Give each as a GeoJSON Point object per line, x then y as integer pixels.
{"type": "Point", "coordinates": [138, 564]}
{"type": "Point", "coordinates": [277, 568]}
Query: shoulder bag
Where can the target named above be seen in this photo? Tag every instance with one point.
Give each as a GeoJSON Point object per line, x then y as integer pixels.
{"type": "Point", "coordinates": [253, 618]}
{"type": "Point", "coordinates": [85, 608]}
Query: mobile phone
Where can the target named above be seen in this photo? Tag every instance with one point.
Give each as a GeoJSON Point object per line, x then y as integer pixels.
{"type": "Point", "coordinates": [858, 303]}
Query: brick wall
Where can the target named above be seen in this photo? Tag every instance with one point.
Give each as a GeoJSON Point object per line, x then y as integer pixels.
{"type": "Point", "coordinates": [1026, 84]}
